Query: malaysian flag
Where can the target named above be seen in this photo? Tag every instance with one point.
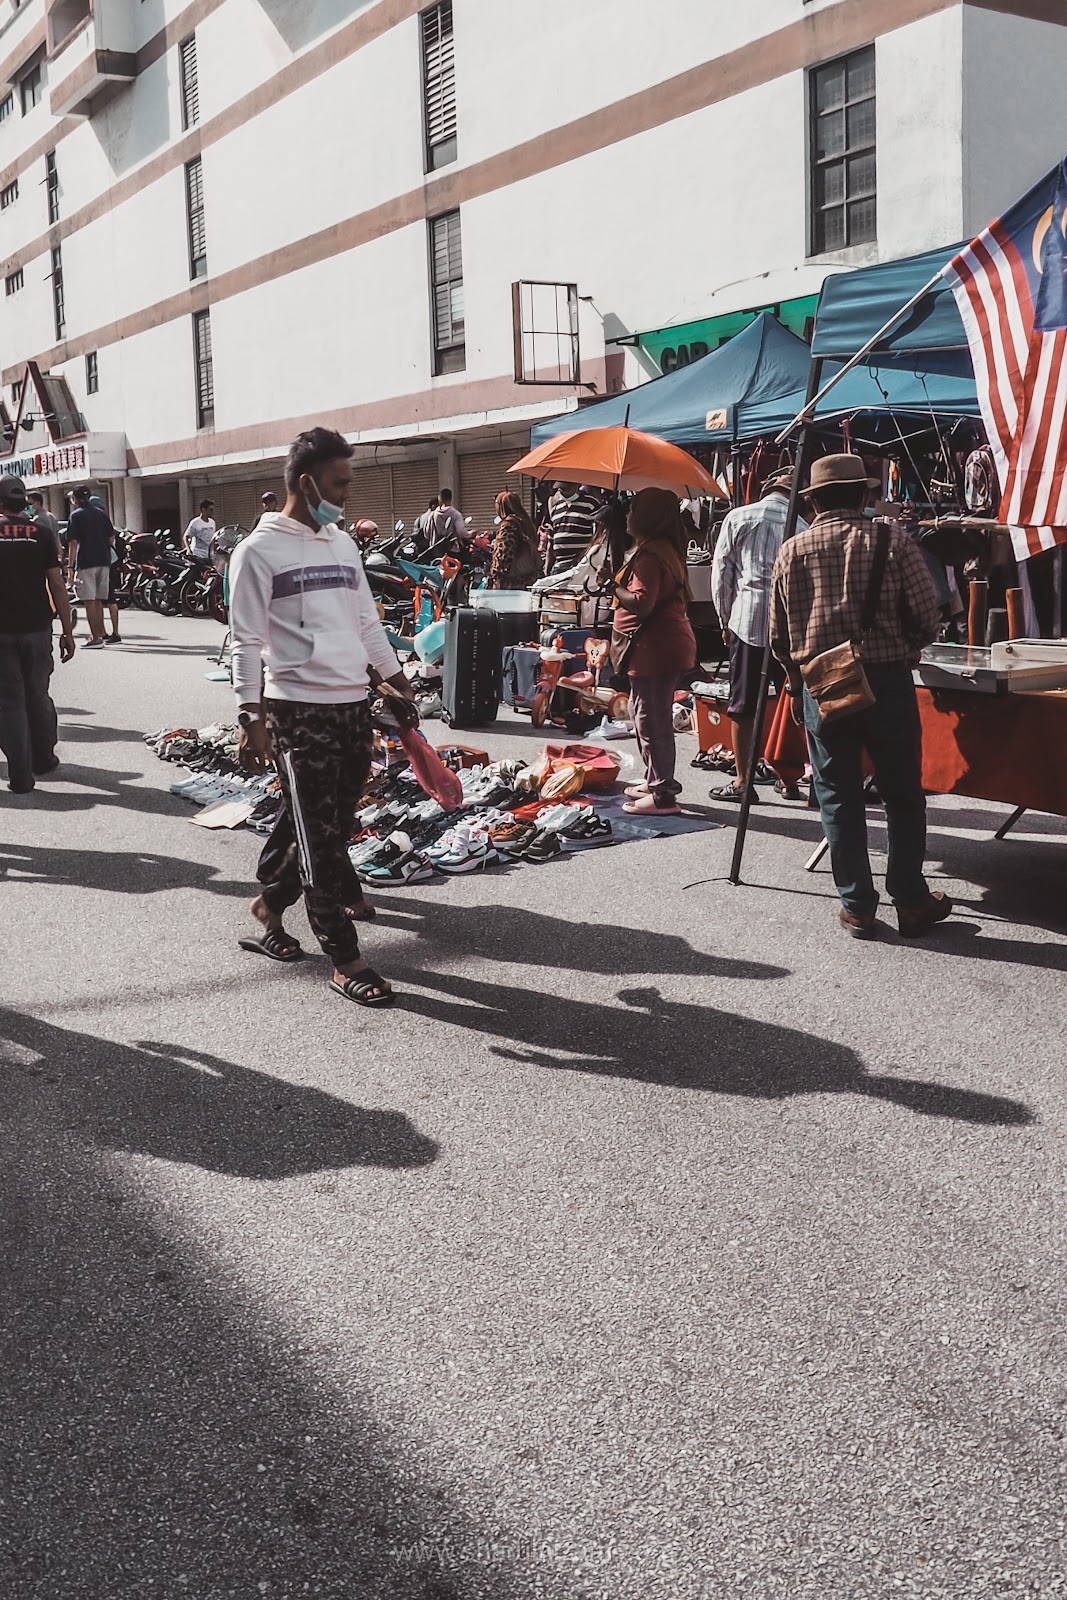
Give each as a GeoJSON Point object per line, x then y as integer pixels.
{"type": "Point", "coordinates": [1011, 289]}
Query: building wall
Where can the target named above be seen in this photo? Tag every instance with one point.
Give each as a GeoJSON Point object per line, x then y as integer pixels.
{"type": "Point", "coordinates": [655, 154]}
{"type": "Point", "coordinates": [1015, 109]}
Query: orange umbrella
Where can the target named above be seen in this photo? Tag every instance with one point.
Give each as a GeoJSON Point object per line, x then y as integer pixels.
{"type": "Point", "coordinates": [618, 458]}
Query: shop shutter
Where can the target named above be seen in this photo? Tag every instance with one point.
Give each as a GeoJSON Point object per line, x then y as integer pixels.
{"type": "Point", "coordinates": [276, 487]}
{"type": "Point", "coordinates": [370, 495]}
{"type": "Point", "coordinates": [235, 502]}
{"type": "Point", "coordinates": [413, 484]}
{"type": "Point", "coordinates": [481, 478]}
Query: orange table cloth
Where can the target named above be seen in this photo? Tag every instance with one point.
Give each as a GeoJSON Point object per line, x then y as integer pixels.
{"type": "Point", "coordinates": [1009, 748]}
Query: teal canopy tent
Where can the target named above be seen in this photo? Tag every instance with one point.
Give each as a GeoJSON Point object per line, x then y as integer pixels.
{"type": "Point", "coordinates": [758, 381]}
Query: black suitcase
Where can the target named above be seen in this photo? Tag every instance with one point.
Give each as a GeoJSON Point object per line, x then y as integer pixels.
{"type": "Point", "coordinates": [471, 678]}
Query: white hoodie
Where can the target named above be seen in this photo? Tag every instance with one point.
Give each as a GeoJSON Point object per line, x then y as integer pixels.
{"type": "Point", "coordinates": [304, 624]}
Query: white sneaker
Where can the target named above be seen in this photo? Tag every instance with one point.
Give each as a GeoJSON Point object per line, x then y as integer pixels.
{"type": "Point", "coordinates": [613, 730]}
{"type": "Point", "coordinates": [477, 851]}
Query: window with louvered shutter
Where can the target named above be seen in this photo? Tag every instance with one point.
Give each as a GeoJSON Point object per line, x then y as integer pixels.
{"type": "Point", "coordinates": [446, 272]}
{"type": "Point", "coordinates": [439, 85]}
{"type": "Point", "coordinates": [205, 375]}
{"type": "Point", "coordinates": [194, 202]}
{"type": "Point", "coordinates": [190, 89]}
{"type": "Point", "coordinates": [59, 299]}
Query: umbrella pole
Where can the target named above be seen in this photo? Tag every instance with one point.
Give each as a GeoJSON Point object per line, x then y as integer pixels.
{"type": "Point", "coordinates": [799, 470]}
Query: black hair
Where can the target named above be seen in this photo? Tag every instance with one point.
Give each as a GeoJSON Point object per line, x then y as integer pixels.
{"type": "Point", "coordinates": [205, 502]}
{"type": "Point", "coordinates": [81, 492]}
{"type": "Point", "coordinates": [612, 518]}
{"type": "Point", "coordinates": [840, 497]}
{"type": "Point", "coordinates": [309, 450]}
{"type": "Point", "coordinates": [35, 494]}
{"type": "Point", "coordinates": [433, 503]}
{"type": "Point", "coordinates": [445, 497]}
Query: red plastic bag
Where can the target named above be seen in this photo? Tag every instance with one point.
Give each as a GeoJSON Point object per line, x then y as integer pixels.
{"type": "Point", "coordinates": [437, 779]}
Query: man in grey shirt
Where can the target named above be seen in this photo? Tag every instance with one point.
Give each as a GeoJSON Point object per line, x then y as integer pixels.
{"type": "Point", "coordinates": [42, 518]}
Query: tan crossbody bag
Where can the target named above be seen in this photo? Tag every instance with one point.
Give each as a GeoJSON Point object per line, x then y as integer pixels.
{"type": "Point", "coordinates": [835, 679]}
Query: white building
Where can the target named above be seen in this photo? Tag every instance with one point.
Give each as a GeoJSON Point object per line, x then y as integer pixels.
{"type": "Point", "coordinates": [224, 220]}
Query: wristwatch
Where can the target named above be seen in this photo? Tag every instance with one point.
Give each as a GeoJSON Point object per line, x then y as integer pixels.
{"type": "Point", "coordinates": [248, 719]}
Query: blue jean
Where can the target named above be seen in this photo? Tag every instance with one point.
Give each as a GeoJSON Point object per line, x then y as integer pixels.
{"type": "Point", "coordinates": [27, 716]}
{"type": "Point", "coordinates": [891, 734]}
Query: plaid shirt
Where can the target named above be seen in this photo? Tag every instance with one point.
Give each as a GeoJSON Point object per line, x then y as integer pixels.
{"type": "Point", "coordinates": [820, 583]}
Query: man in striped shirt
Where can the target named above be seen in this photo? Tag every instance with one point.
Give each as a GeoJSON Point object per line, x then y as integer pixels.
{"type": "Point", "coordinates": [572, 526]}
{"type": "Point", "coordinates": [745, 553]}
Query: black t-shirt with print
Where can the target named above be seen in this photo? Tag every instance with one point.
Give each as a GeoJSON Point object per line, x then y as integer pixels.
{"type": "Point", "coordinates": [26, 554]}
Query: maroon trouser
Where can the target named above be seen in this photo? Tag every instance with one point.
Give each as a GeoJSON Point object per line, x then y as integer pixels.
{"type": "Point", "coordinates": [652, 702]}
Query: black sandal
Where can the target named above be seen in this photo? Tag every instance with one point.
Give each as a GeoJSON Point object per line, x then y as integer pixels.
{"type": "Point", "coordinates": [359, 986]}
{"type": "Point", "coordinates": [275, 943]}
{"type": "Point", "coordinates": [361, 913]}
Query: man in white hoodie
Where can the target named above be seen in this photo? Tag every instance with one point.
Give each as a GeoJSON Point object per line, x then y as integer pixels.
{"type": "Point", "coordinates": [307, 646]}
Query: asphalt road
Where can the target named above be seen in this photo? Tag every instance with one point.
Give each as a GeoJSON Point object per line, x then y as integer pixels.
{"type": "Point", "coordinates": [664, 1243]}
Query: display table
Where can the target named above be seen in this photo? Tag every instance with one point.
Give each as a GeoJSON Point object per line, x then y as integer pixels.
{"type": "Point", "coordinates": [1009, 748]}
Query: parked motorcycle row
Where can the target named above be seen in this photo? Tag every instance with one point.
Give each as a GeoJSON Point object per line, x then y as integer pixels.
{"type": "Point", "coordinates": [412, 588]}
{"type": "Point", "coordinates": [156, 575]}
{"type": "Point", "coordinates": [415, 588]}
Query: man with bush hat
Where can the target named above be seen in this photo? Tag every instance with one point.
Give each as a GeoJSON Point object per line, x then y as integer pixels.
{"type": "Point", "coordinates": [822, 580]}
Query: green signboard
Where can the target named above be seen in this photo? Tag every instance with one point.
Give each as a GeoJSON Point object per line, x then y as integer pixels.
{"type": "Point", "coordinates": [688, 341]}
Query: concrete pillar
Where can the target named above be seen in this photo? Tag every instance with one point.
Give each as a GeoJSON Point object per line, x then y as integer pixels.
{"type": "Point", "coordinates": [135, 505]}
{"type": "Point", "coordinates": [447, 466]}
{"type": "Point", "coordinates": [185, 503]}
{"type": "Point", "coordinates": [117, 491]}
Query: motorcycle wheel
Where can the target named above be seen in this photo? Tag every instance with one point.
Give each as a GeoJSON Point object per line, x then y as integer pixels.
{"type": "Point", "coordinates": [192, 601]}
{"type": "Point", "coordinates": [160, 597]}
{"type": "Point", "coordinates": [218, 609]}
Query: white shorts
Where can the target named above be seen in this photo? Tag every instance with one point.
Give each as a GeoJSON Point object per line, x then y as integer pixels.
{"type": "Point", "coordinates": [92, 583]}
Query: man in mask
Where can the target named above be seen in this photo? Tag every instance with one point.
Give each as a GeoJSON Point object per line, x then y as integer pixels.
{"type": "Point", "coordinates": [307, 646]}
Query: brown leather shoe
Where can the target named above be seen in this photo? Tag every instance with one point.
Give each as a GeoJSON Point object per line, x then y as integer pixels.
{"type": "Point", "coordinates": [859, 927]}
{"type": "Point", "coordinates": [916, 920]}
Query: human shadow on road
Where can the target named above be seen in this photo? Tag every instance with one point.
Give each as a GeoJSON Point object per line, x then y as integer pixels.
{"type": "Point", "coordinates": [111, 871]}
{"type": "Point", "coordinates": [125, 789]}
{"type": "Point", "coordinates": [509, 933]}
{"type": "Point", "coordinates": [176, 1104]}
{"type": "Point", "coordinates": [165, 1430]}
{"type": "Point", "coordinates": [682, 1046]}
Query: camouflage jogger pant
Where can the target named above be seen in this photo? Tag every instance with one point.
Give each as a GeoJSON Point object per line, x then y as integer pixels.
{"type": "Point", "coordinates": [323, 754]}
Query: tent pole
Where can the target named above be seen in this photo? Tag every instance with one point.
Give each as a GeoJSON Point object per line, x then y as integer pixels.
{"type": "Point", "coordinates": [799, 472]}
{"type": "Point", "coordinates": [872, 343]}
{"type": "Point", "coordinates": [735, 462]}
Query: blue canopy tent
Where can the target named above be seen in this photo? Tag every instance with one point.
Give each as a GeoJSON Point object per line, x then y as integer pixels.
{"type": "Point", "coordinates": [758, 382]}
{"type": "Point", "coordinates": [750, 372]}
{"type": "Point", "coordinates": [855, 306]}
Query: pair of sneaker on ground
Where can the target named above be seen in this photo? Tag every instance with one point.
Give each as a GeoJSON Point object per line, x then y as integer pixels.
{"type": "Point", "coordinates": [203, 788]}
{"type": "Point", "coordinates": [478, 842]}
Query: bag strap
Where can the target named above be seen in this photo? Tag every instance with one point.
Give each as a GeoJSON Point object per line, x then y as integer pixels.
{"type": "Point", "coordinates": [877, 578]}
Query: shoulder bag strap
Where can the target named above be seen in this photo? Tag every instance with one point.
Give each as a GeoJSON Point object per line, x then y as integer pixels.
{"type": "Point", "coordinates": [877, 578]}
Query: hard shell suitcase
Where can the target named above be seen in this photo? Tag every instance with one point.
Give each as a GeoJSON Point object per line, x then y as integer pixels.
{"type": "Point", "coordinates": [471, 678]}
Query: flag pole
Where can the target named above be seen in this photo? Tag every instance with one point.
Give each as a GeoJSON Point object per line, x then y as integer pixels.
{"type": "Point", "coordinates": [799, 469]}
{"type": "Point", "coordinates": [806, 415]}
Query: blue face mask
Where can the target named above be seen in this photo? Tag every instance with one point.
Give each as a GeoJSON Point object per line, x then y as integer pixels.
{"type": "Point", "coordinates": [325, 513]}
